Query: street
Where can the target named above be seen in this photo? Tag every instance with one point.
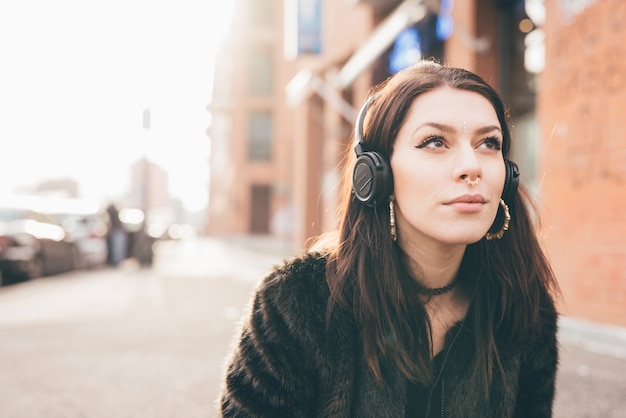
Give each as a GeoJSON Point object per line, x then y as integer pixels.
{"type": "Point", "coordinates": [137, 342]}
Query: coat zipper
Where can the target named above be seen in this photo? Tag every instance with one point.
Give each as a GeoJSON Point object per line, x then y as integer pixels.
{"type": "Point", "coordinates": [443, 391]}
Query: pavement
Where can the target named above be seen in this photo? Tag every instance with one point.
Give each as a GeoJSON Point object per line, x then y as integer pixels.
{"type": "Point", "coordinates": [609, 340]}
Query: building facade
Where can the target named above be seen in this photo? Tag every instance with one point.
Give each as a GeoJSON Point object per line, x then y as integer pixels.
{"type": "Point", "coordinates": [581, 108]}
{"type": "Point", "coordinates": [266, 147]}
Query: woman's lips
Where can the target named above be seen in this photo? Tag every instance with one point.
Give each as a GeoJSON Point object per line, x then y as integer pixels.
{"type": "Point", "coordinates": [467, 203]}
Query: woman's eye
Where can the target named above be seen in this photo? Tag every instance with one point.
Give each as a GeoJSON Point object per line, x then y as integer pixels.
{"type": "Point", "coordinates": [492, 143]}
{"type": "Point", "coordinates": [433, 142]}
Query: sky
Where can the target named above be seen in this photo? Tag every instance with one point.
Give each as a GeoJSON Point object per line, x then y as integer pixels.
{"type": "Point", "coordinates": [76, 76]}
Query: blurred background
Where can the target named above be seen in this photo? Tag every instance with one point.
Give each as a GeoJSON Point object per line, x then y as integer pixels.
{"type": "Point", "coordinates": [208, 121]}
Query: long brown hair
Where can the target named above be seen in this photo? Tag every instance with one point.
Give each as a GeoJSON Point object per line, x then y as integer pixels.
{"type": "Point", "coordinates": [367, 273]}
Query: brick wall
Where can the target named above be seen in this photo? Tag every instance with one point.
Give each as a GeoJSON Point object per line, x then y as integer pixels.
{"type": "Point", "coordinates": [582, 113]}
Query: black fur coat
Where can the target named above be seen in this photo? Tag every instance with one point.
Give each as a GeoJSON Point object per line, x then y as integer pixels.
{"type": "Point", "coordinates": [283, 366]}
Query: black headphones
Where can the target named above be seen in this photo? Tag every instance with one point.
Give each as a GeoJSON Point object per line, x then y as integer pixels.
{"type": "Point", "coordinates": [372, 178]}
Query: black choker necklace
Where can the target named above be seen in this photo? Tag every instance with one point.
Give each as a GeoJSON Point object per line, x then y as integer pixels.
{"type": "Point", "coordinates": [435, 291]}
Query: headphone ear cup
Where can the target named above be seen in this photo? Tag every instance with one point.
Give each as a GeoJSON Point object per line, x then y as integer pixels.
{"type": "Point", "coordinates": [372, 179]}
{"type": "Point", "coordinates": [511, 181]}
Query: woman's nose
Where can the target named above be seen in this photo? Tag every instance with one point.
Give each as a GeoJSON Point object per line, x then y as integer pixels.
{"type": "Point", "coordinates": [467, 165]}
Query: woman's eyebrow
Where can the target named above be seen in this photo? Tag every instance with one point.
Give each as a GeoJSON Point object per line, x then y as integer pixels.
{"type": "Point", "coordinates": [449, 128]}
{"type": "Point", "coordinates": [439, 126]}
{"type": "Point", "coordinates": [487, 129]}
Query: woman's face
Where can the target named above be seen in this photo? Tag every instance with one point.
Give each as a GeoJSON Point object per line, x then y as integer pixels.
{"type": "Point", "coordinates": [448, 169]}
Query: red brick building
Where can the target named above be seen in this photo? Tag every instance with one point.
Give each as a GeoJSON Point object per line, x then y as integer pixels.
{"type": "Point", "coordinates": [582, 112]}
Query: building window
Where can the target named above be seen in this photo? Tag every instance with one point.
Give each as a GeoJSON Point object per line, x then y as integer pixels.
{"type": "Point", "coordinates": [260, 209]}
{"type": "Point", "coordinates": [309, 27]}
{"type": "Point", "coordinates": [421, 40]}
{"type": "Point", "coordinates": [303, 26]}
{"type": "Point", "coordinates": [261, 70]}
{"type": "Point", "coordinates": [260, 132]}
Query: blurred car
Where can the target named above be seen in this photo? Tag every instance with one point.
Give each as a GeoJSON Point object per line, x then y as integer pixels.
{"type": "Point", "coordinates": [33, 244]}
{"type": "Point", "coordinates": [85, 224]}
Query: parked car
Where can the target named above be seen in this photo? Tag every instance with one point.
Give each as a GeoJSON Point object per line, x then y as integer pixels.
{"type": "Point", "coordinates": [85, 224]}
{"type": "Point", "coordinates": [33, 244]}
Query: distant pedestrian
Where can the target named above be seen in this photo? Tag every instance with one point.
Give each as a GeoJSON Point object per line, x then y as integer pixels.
{"type": "Point", "coordinates": [117, 238]}
{"type": "Point", "coordinates": [142, 247]}
{"type": "Point", "coordinates": [434, 299]}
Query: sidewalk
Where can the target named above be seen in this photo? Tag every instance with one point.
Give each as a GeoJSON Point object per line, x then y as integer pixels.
{"type": "Point", "coordinates": [608, 340]}
{"type": "Point", "coordinates": [267, 245]}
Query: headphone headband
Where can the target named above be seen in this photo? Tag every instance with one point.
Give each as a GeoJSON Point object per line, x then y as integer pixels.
{"type": "Point", "coordinates": [360, 120]}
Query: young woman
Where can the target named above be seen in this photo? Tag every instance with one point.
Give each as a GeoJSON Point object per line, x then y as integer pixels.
{"type": "Point", "coordinates": [435, 299]}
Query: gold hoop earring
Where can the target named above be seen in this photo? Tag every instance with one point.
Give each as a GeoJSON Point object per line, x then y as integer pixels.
{"type": "Point", "coordinates": [392, 220]}
{"type": "Point", "coordinates": [505, 224]}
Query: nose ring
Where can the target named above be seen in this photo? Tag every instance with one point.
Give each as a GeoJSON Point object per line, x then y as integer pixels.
{"type": "Point", "coordinates": [472, 182]}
